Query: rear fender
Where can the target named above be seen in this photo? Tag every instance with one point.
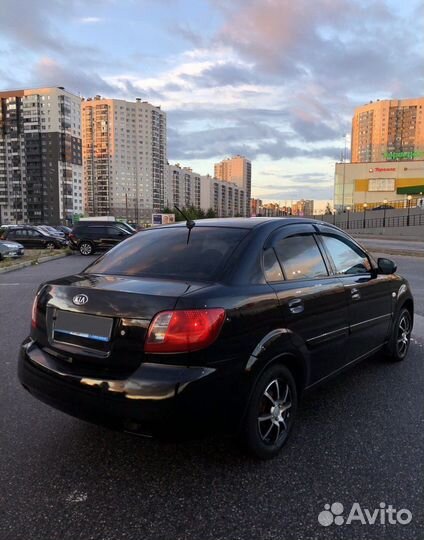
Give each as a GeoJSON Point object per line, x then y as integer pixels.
{"type": "Point", "coordinates": [280, 345]}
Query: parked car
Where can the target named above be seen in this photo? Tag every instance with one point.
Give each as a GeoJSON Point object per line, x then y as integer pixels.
{"type": "Point", "coordinates": [384, 207]}
{"type": "Point", "coordinates": [108, 220]}
{"type": "Point", "coordinates": [89, 237]}
{"type": "Point", "coordinates": [32, 237]}
{"type": "Point", "coordinates": [64, 229]}
{"type": "Point", "coordinates": [218, 324]}
{"type": "Point", "coordinates": [10, 250]}
{"type": "Point", "coordinates": [52, 231]}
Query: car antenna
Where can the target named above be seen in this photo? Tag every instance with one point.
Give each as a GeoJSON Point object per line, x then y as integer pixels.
{"type": "Point", "coordinates": [189, 222]}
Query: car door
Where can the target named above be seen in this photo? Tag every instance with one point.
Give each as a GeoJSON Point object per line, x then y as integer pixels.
{"type": "Point", "coordinates": [38, 240]}
{"type": "Point", "coordinates": [368, 294]}
{"type": "Point", "coordinates": [313, 302]}
{"type": "Point", "coordinates": [19, 235]}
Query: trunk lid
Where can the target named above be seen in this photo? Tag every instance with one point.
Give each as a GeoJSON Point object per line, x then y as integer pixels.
{"type": "Point", "coordinates": [101, 320]}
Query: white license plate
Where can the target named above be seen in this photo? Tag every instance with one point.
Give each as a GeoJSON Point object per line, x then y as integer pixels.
{"type": "Point", "coordinates": [82, 325]}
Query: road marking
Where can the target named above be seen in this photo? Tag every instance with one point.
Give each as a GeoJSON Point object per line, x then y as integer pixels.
{"type": "Point", "coordinates": [76, 497]}
{"type": "Point", "coordinates": [10, 284]}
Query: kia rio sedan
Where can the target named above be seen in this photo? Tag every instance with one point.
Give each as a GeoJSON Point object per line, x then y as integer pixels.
{"type": "Point", "coordinates": [214, 324]}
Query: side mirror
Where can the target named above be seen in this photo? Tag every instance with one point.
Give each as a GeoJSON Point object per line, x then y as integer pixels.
{"type": "Point", "coordinates": [386, 266]}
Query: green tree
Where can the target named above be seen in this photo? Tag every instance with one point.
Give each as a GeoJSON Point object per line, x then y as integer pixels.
{"type": "Point", "coordinates": [211, 213]}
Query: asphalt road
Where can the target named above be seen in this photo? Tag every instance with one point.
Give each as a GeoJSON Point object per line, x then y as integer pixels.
{"type": "Point", "coordinates": [403, 243]}
{"type": "Point", "coordinates": [359, 439]}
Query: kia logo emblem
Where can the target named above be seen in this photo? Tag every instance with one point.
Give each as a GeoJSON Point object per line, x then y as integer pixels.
{"type": "Point", "coordinates": [80, 299]}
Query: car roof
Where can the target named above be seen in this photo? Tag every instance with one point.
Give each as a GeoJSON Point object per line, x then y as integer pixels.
{"type": "Point", "coordinates": [245, 223]}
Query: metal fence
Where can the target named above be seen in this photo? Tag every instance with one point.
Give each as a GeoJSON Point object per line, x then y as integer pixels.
{"type": "Point", "coordinates": [415, 201]}
{"type": "Point", "coordinates": [346, 221]}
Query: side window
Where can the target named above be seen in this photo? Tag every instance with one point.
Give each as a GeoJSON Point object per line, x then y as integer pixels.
{"type": "Point", "coordinates": [348, 258]}
{"type": "Point", "coordinates": [99, 231]}
{"type": "Point", "coordinates": [300, 257]}
{"type": "Point", "coordinates": [272, 267]}
{"type": "Point", "coordinates": [113, 231]}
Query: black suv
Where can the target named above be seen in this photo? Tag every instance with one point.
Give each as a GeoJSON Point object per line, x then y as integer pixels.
{"type": "Point", "coordinates": [32, 237]}
{"type": "Point", "coordinates": [223, 324]}
{"type": "Point", "coordinates": [89, 237]}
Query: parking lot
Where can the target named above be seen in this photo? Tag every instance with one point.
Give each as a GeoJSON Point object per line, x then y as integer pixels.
{"type": "Point", "coordinates": [358, 439]}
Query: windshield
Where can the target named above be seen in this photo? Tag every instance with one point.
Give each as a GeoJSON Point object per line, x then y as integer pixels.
{"type": "Point", "coordinates": [164, 253]}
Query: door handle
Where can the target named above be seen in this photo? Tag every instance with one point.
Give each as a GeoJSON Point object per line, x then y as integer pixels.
{"type": "Point", "coordinates": [296, 305]}
{"type": "Point", "coordinates": [355, 294]}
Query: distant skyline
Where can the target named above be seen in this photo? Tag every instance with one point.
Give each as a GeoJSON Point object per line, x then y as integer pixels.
{"type": "Point", "coordinates": [274, 80]}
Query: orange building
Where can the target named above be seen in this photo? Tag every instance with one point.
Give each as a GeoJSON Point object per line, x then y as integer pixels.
{"type": "Point", "coordinates": [124, 153]}
{"type": "Point", "coordinates": [388, 130]}
{"type": "Point", "coordinates": [237, 169]}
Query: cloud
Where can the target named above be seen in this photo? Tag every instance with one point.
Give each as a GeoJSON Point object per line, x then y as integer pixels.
{"type": "Point", "coordinates": [48, 72]}
{"type": "Point", "coordinates": [333, 41]}
{"type": "Point", "coordinates": [185, 31]}
{"type": "Point", "coordinates": [276, 80]}
{"type": "Point", "coordinates": [90, 20]}
{"type": "Point", "coordinates": [224, 74]}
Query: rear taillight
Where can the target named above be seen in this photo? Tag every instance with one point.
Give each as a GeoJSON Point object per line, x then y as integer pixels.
{"type": "Point", "coordinates": [71, 236]}
{"type": "Point", "coordinates": [184, 331]}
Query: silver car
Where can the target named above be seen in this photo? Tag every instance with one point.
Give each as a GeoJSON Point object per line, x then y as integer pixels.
{"type": "Point", "coordinates": [10, 249]}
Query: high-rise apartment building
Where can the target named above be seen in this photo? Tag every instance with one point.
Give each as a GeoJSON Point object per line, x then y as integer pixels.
{"type": "Point", "coordinates": [182, 187]}
{"type": "Point", "coordinates": [124, 152]}
{"type": "Point", "coordinates": [40, 156]}
{"type": "Point", "coordinates": [304, 207]}
{"type": "Point", "coordinates": [237, 169]}
{"type": "Point", "coordinates": [227, 199]}
{"type": "Point", "coordinates": [388, 130]}
{"type": "Point", "coordinates": [187, 188]}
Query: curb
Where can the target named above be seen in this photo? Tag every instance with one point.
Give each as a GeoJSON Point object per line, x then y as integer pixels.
{"type": "Point", "coordinates": [25, 264]}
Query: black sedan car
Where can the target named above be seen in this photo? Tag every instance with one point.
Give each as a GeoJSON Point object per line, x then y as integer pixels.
{"type": "Point", "coordinates": [214, 324]}
{"type": "Point", "coordinates": [32, 237]}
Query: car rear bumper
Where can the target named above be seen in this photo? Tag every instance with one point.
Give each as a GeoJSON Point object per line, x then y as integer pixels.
{"type": "Point", "coordinates": [167, 401]}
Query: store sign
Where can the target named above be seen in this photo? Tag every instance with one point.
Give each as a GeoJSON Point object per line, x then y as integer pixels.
{"type": "Point", "coordinates": [381, 184]}
{"type": "Point", "coordinates": [383, 169]}
{"type": "Point", "coordinates": [404, 155]}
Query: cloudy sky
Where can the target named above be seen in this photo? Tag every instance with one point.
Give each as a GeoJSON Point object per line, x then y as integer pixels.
{"type": "Point", "coordinates": [275, 80]}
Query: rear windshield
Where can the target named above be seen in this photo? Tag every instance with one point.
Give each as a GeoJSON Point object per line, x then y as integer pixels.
{"type": "Point", "coordinates": [164, 253]}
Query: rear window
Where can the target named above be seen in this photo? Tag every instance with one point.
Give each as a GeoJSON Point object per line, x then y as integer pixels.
{"type": "Point", "coordinates": [164, 253]}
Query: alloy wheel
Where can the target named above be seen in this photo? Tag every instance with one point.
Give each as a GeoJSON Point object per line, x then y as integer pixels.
{"type": "Point", "coordinates": [86, 249]}
{"type": "Point", "coordinates": [403, 334]}
{"type": "Point", "coordinates": [274, 412]}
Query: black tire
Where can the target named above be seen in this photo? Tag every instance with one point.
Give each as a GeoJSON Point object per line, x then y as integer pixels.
{"type": "Point", "coordinates": [398, 346]}
{"type": "Point", "coordinates": [50, 245]}
{"type": "Point", "coordinates": [271, 413]}
{"type": "Point", "coordinates": [86, 248]}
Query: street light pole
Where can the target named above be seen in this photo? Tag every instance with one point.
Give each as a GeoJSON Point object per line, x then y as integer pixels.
{"type": "Point", "coordinates": [409, 209]}
{"type": "Point", "coordinates": [348, 211]}
{"type": "Point", "coordinates": [365, 213]}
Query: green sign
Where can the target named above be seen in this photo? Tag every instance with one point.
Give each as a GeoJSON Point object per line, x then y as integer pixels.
{"type": "Point", "coordinates": [403, 155]}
